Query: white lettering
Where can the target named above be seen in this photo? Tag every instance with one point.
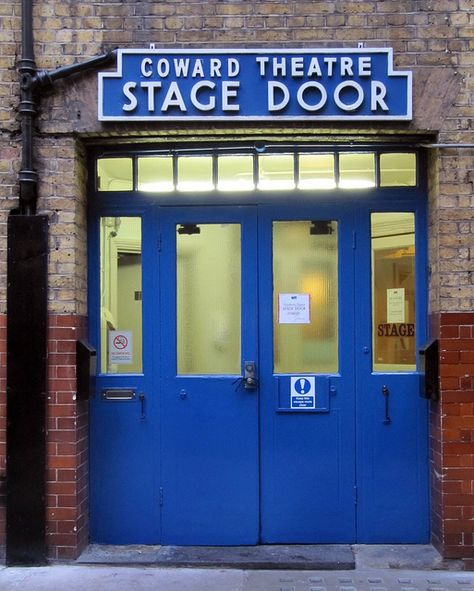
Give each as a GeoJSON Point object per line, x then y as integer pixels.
{"type": "Point", "coordinates": [330, 61]}
{"type": "Point", "coordinates": [233, 67]}
{"type": "Point", "coordinates": [272, 105]}
{"type": "Point", "coordinates": [163, 68]}
{"type": "Point", "coordinates": [127, 91]}
{"type": "Point", "coordinates": [302, 102]}
{"type": "Point", "coordinates": [314, 67]}
{"type": "Point", "coordinates": [215, 67]}
{"type": "Point", "coordinates": [352, 106]}
{"type": "Point", "coordinates": [262, 62]}
{"type": "Point", "coordinates": [181, 67]}
{"type": "Point", "coordinates": [279, 67]}
{"type": "Point", "coordinates": [198, 69]}
{"type": "Point", "coordinates": [151, 86]}
{"type": "Point", "coordinates": [365, 66]}
{"type": "Point", "coordinates": [378, 92]}
{"type": "Point", "coordinates": [173, 98]}
{"type": "Point", "coordinates": [346, 66]}
{"type": "Point", "coordinates": [194, 98]}
{"type": "Point", "coordinates": [297, 67]}
{"type": "Point", "coordinates": [229, 92]}
{"type": "Point", "coordinates": [144, 67]}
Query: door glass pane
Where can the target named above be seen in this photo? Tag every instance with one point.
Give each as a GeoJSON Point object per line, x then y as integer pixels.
{"type": "Point", "coordinates": [316, 171]}
{"type": "Point", "coordinates": [120, 295]}
{"type": "Point", "coordinates": [195, 173]}
{"type": "Point", "coordinates": [208, 298]}
{"type": "Point", "coordinates": [305, 297]}
{"type": "Point", "coordinates": [276, 172]}
{"type": "Point", "coordinates": [114, 174]}
{"type": "Point", "coordinates": [155, 174]}
{"type": "Point", "coordinates": [235, 173]}
{"type": "Point", "coordinates": [393, 292]}
{"type": "Point", "coordinates": [356, 170]}
{"type": "Point", "coordinates": [398, 170]}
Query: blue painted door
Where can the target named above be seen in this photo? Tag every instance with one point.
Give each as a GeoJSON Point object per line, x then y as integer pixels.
{"type": "Point", "coordinates": [209, 421]}
{"type": "Point", "coordinates": [307, 454]}
{"type": "Point", "coordinates": [241, 466]}
{"type": "Point", "coordinates": [392, 418]}
{"type": "Point", "coordinates": [330, 446]}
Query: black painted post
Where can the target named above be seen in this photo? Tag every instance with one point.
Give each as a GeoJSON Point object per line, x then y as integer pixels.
{"type": "Point", "coordinates": [26, 389]}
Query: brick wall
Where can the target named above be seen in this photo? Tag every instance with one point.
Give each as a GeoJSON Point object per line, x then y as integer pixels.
{"type": "Point", "coordinates": [3, 428]}
{"type": "Point", "coordinates": [434, 38]}
{"type": "Point", "coordinates": [453, 438]}
{"type": "Point", "coordinates": [67, 437]}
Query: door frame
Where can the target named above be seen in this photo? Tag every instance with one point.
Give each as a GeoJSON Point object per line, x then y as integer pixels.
{"type": "Point", "coordinates": [136, 203]}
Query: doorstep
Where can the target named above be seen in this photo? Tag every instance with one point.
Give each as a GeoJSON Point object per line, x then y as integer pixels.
{"type": "Point", "coordinates": [270, 557]}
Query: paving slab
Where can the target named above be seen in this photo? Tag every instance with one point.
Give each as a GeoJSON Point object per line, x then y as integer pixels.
{"type": "Point", "coordinates": [293, 557]}
{"type": "Point", "coordinates": [150, 578]}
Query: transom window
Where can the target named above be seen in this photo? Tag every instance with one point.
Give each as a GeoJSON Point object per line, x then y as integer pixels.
{"type": "Point", "coordinates": [266, 171]}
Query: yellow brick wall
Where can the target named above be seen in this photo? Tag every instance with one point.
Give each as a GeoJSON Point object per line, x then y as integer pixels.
{"type": "Point", "coordinates": [433, 38]}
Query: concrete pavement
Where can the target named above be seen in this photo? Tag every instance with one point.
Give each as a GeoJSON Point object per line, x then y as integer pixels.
{"type": "Point", "coordinates": [117, 578]}
{"type": "Point", "coordinates": [377, 568]}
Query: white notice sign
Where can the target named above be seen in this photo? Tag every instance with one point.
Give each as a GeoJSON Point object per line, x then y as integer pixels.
{"type": "Point", "coordinates": [396, 305]}
{"type": "Point", "coordinates": [294, 308]}
{"type": "Point", "coordinates": [120, 347]}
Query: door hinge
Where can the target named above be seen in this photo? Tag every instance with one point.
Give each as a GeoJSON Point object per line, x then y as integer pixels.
{"type": "Point", "coordinates": [158, 242]}
{"type": "Point", "coordinates": [161, 496]}
{"type": "Point", "coordinates": [354, 239]}
{"type": "Point", "coordinates": [356, 495]}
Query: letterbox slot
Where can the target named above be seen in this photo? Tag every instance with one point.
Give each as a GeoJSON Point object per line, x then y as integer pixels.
{"type": "Point", "coordinates": [118, 394]}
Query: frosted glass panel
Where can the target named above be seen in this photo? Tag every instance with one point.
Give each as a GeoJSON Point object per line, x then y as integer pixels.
{"type": "Point", "coordinates": [393, 292]}
{"type": "Point", "coordinates": [155, 174]}
{"type": "Point", "coordinates": [114, 174]}
{"type": "Point", "coordinates": [356, 170]}
{"type": "Point", "coordinates": [120, 295]}
{"type": "Point", "coordinates": [398, 170]}
{"type": "Point", "coordinates": [316, 171]}
{"type": "Point", "coordinates": [276, 172]}
{"type": "Point", "coordinates": [208, 298]}
{"type": "Point", "coordinates": [195, 173]}
{"type": "Point", "coordinates": [305, 271]}
{"type": "Point", "coordinates": [235, 173]}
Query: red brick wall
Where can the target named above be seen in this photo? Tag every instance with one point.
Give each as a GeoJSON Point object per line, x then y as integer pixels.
{"type": "Point", "coordinates": [452, 438]}
{"type": "Point", "coordinates": [3, 427]}
{"type": "Point", "coordinates": [67, 478]}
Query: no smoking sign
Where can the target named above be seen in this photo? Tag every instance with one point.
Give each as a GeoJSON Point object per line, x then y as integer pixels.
{"type": "Point", "coordinates": [120, 347]}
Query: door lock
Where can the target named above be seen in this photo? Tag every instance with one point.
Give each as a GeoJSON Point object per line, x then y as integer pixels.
{"type": "Point", "coordinates": [250, 376]}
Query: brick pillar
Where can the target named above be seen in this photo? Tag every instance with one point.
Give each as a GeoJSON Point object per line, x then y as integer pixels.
{"type": "Point", "coordinates": [452, 439]}
{"type": "Point", "coordinates": [3, 429]}
{"type": "Point", "coordinates": [67, 484]}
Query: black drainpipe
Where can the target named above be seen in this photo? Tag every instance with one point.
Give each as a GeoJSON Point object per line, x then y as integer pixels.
{"type": "Point", "coordinates": [27, 326]}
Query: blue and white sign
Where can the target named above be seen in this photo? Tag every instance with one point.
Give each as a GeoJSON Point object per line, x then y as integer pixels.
{"type": "Point", "coordinates": [302, 392]}
{"type": "Point", "coordinates": [254, 85]}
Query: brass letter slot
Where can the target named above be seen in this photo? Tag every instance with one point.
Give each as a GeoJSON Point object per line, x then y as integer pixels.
{"type": "Point", "coordinates": [118, 394]}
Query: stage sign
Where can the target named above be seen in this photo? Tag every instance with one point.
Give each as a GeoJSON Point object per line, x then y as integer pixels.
{"type": "Point", "coordinates": [255, 85]}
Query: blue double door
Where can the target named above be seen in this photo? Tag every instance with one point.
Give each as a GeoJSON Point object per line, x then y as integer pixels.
{"type": "Point", "coordinates": [270, 409]}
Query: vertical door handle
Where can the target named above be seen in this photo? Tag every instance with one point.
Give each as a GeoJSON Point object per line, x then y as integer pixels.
{"type": "Point", "coordinates": [141, 397]}
{"type": "Point", "coordinates": [386, 393]}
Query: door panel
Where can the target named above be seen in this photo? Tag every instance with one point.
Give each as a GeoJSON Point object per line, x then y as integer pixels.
{"type": "Point", "coordinates": [307, 455]}
{"type": "Point", "coordinates": [123, 437]}
{"type": "Point", "coordinates": [392, 419]}
{"type": "Point", "coordinates": [209, 421]}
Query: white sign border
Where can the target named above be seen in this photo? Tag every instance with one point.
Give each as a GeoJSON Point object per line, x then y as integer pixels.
{"type": "Point", "coordinates": [154, 51]}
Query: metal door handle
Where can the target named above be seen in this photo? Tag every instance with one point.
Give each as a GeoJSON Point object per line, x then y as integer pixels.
{"type": "Point", "coordinates": [386, 394]}
{"type": "Point", "coordinates": [250, 375]}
